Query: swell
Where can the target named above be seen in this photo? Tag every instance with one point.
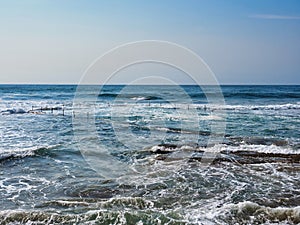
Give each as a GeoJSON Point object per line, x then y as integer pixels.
{"type": "Point", "coordinates": [134, 96]}
{"type": "Point", "coordinates": [280, 95]}
{"type": "Point", "coordinates": [250, 94]}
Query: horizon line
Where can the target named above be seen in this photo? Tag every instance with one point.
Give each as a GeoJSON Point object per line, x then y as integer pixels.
{"type": "Point", "coordinates": [184, 84]}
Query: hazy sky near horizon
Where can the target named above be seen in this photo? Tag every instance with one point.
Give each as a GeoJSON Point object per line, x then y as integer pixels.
{"type": "Point", "coordinates": [243, 41]}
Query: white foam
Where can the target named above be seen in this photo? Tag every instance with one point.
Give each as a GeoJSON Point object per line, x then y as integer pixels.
{"type": "Point", "coordinates": [138, 98]}
{"type": "Point", "coordinates": [22, 152]}
{"type": "Point", "coordinates": [245, 212]}
{"type": "Point", "coordinates": [272, 214]}
{"type": "Point", "coordinates": [261, 149]}
{"type": "Point", "coordinates": [13, 111]}
{"type": "Point", "coordinates": [23, 106]}
{"type": "Point", "coordinates": [12, 188]}
{"type": "Point", "coordinates": [210, 117]}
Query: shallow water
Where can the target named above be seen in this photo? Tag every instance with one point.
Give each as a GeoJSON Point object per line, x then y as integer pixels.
{"type": "Point", "coordinates": [46, 177]}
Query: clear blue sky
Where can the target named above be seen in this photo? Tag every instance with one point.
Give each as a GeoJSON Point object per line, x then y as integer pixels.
{"type": "Point", "coordinates": [53, 41]}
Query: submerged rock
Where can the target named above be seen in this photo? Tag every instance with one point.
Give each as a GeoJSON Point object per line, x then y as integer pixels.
{"type": "Point", "coordinates": [173, 152]}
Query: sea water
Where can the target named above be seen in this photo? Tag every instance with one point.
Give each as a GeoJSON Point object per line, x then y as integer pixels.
{"type": "Point", "coordinates": [46, 176]}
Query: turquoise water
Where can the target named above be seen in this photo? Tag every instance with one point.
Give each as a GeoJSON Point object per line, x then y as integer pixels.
{"type": "Point", "coordinates": [46, 176]}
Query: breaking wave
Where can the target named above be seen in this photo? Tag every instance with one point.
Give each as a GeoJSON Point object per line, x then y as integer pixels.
{"type": "Point", "coordinates": [252, 213]}
{"type": "Point", "coordinates": [24, 152]}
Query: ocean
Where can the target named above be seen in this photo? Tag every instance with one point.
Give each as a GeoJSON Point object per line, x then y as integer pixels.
{"type": "Point", "coordinates": [135, 155]}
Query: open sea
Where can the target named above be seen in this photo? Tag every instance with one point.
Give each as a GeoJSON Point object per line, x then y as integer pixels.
{"type": "Point", "coordinates": [135, 155]}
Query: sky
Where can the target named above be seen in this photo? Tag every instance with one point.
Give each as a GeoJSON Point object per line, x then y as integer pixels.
{"type": "Point", "coordinates": [243, 42]}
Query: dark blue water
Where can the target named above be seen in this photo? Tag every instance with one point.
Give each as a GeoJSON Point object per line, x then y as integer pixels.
{"type": "Point", "coordinates": [135, 155]}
